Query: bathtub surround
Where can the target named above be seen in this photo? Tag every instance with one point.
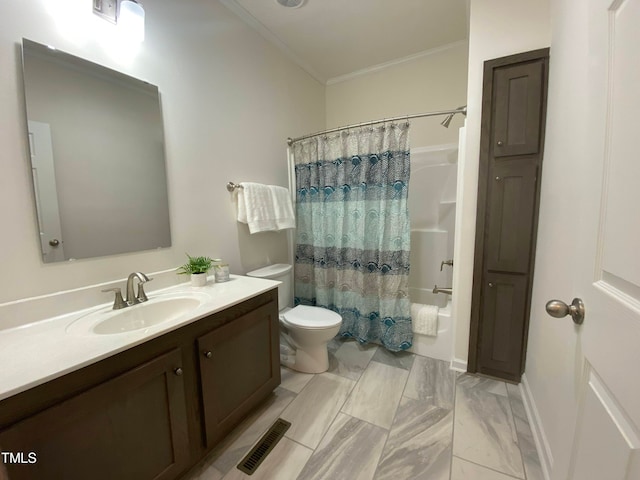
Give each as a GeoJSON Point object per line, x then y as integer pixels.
{"type": "Point", "coordinates": [432, 208]}
{"type": "Point", "coordinates": [352, 245]}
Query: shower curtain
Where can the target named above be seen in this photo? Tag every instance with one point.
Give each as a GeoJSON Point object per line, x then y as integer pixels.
{"type": "Point", "coordinates": [352, 245]}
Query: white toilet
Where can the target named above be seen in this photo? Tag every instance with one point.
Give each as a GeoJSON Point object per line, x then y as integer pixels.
{"type": "Point", "coordinates": [307, 329]}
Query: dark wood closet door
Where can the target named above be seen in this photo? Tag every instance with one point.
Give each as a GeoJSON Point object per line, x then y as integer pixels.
{"type": "Point", "coordinates": [503, 323]}
{"type": "Point", "coordinates": [511, 146]}
{"type": "Point", "coordinates": [511, 216]}
{"type": "Point", "coordinates": [517, 96]}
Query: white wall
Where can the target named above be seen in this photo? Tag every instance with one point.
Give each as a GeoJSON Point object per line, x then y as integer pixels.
{"type": "Point", "coordinates": [497, 28]}
{"type": "Point", "coordinates": [554, 355]}
{"type": "Point", "coordinates": [432, 82]}
{"type": "Point", "coordinates": [229, 100]}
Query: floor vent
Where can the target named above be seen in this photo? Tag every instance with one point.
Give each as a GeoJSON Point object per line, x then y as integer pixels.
{"type": "Point", "coordinates": [269, 440]}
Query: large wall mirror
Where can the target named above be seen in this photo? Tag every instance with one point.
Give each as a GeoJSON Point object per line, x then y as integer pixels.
{"type": "Point", "coordinates": [97, 155]}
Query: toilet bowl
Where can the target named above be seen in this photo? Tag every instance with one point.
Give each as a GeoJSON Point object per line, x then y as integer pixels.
{"type": "Point", "coordinates": [307, 329]}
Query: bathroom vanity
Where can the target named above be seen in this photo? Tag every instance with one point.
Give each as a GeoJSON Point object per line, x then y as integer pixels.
{"type": "Point", "coordinates": [154, 405]}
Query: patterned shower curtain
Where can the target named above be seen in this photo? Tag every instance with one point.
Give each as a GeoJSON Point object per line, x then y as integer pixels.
{"type": "Point", "coordinates": [352, 252]}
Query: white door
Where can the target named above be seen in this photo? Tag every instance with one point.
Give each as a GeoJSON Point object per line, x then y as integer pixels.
{"type": "Point", "coordinates": [607, 439]}
{"type": "Point", "coordinates": [46, 192]}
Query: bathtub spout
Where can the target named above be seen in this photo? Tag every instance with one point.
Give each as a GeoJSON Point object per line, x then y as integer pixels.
{"type": "Point", "coordinates": [448, 291]}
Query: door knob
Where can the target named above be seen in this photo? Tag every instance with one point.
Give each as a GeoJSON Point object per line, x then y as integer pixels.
{"type": "Point", "coordinates": [559, 309]}
{"type": "Point", "coordinates": [54, 243]}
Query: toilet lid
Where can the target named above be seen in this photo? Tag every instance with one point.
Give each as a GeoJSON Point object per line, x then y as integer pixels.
{"type": "Point", "coordinates": [312, 317]}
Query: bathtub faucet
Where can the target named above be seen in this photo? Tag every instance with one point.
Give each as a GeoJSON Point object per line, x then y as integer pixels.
{"type": "Point", "coordinates": [448, 291]}
{"type": "Point", "coordinates": [446, 262]}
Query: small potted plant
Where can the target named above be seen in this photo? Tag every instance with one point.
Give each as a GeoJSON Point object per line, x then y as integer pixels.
{"type": "Point", "coordinates": [197, 267]}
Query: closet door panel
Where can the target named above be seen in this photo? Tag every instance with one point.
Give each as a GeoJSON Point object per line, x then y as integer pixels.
{"type": "Point", "coordinates": [511, 148]}
{"type": "Point", "coordinates": [511, 217]}
{"type": "Point", "coordinates": [503, 324]}
{"type": "Point", "coordinates": [517, 97]}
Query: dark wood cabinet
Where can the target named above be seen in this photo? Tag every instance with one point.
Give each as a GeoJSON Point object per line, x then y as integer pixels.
{"type": "Point", "coordinates": [518, 96]}
{"type": "Point", "coordinates": [511, 146]}
{"type": "Point", "coordinates": [130, 427]}
{"type": "Point", "coordinates": [238, 363]}
{"type": "Point", "coordinates": [503, 319]}
{"type": "Point", "coordinates": [150, 412]}
{"type": "Point", "coordinates": [511, 205]}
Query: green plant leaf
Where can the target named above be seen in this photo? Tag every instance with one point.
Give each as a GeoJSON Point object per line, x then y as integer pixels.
{"type": "Point", "coordinates": [196, 265]}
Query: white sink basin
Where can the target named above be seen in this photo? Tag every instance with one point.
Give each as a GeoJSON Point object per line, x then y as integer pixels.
{"type": "Point", "coordinates": [158, 309]}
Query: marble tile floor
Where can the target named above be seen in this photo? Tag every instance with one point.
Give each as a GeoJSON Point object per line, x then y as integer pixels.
{"type": "Point", "coordinates": [378, 415]}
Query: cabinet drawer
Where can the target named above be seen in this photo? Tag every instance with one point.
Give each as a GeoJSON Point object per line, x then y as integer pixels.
{"type": "Point", "coordinates": [131, 427]}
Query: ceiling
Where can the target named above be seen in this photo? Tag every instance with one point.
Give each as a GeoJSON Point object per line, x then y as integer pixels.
{"type": "Point", "coordinates": [334, 38]}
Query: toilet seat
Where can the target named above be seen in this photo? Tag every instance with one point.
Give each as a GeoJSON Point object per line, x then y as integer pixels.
{"type": "Point", "coordinates": [311, 318]}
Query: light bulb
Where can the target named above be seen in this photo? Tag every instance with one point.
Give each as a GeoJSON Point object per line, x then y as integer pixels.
{"type": "Point", "coordinates": [131, 20]}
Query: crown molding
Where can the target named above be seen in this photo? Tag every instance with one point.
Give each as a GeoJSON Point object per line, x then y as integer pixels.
{"type": "Point", "coordinates": [397, 61]}
{"type": "Point", "coordinates": [271, 37]}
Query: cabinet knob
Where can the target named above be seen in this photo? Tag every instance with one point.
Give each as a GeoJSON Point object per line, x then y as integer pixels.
{"type": "Point", "coordinates": [500, 143]}
{"type": "Point", "coordinates": [208, 354]}
{"type": "Point", "coordinates": [498, 179]}
{"type": "Point", "coordinates": [178, 371]}
{"type": "Point", "coordinates": [491, 284]}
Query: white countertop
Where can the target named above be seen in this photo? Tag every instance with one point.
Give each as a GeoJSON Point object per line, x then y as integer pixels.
{"type": "Point", "coordinates": [35, 353]}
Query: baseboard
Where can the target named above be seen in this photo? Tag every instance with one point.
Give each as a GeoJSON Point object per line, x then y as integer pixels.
{"type": "Point", "coordinates": [459, 365]}
{"type": "Point", "coordinates": [540, 438]}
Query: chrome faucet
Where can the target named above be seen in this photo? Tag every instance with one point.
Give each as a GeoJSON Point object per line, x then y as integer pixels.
{"type": "Point", "coordinates": [119, 302]}
{"type": "Point", "coordinates": [447, 290]}
{"type": "Point", "coordinates": [131, 299]}
{"type": "Point", "coordinates": [141, 297]}
{"type": "Point", "coordinates": [446, 262]}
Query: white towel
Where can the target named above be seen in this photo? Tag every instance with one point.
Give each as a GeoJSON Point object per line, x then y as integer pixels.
{"type": "Point", "coordinates": [264, 208]}
{"type": "Point", "coordinates": [424, 319]}
{"type": "Point", "coordinates": [282, 206]}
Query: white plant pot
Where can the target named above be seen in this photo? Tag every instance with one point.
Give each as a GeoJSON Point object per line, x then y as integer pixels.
{"type": "Point", "coordinates": [198, 279]}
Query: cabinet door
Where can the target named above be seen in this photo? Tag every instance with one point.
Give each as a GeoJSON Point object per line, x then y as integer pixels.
{"type": "Point", "coordinates": [239, 364]}
{"type": "Point", "coordinates": [131, 427]}
{"type": "Point", "coordinates": [517, 98]}
{"type": "Point", "coordinates": [503, 320]}
{"type": "Point", "coordinates": [512, 201]}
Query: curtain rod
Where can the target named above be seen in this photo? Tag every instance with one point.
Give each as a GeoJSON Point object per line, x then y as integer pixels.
{"type": "Point", "coordinates": [463, 110]}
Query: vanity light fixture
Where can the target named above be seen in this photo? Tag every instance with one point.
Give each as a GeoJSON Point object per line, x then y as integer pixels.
{"type": "Point", "coordinates": [128, 15]}
{"type": "Point", "coordinates": [131, 20]}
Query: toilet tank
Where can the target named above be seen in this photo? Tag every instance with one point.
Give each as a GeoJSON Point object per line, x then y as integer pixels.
{"type": "Point", "coordinates": [281, 272]}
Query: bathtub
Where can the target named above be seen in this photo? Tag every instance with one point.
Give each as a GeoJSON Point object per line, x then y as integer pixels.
{"type": "Point", "coordinates": [441, 346]}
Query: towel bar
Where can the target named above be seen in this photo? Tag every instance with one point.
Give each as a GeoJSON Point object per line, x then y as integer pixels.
{"type": "Point", "coordinates": [232, 186]}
